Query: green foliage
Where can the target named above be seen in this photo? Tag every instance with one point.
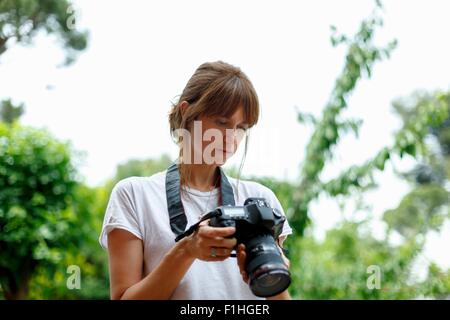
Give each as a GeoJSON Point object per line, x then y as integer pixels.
{"type": "Point", "coordinates": [78, 222]}
{"type": "Point", "coordinates": [424, 208]}
{"type": "Point", "coordinates": [434, 166]}
{"type": "Point", "coordinates": [337, 267]}
{"type": "Point", "coordinates": [319, 272]}
{"type": "Point", "coordinates": [49, 282]}
{"type": "Point", "coordinates": [138, 168]}
{"type": "Point", "coordinates": [21, 20]}
{"type": "Point", "coordinates": [362, 54]}
{"type": "Point", "coordinates": [410, 140]}
{"type": "Point", "coordinates": [10, 112]}
{"type": "Point", "coordinates": [437, 284]}
{"type": "Point", "coordinates": [319, 269]}
{"type": "Point", "coordinates": [429, 113]}
{"type": "Point", "coordinates": [142, 168]}
{"type": "Point", "coordinates": [88, 208]}
{"type": "Point", "coordinates": [340, 266]}
{"type": "Point", "coordinates": [427, 205]}
{"type": "Point", "coordinates": [37, 180]}
{"type": "Point", "coordinates": [49, 221]}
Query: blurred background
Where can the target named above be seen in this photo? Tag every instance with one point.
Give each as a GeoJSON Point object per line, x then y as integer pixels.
{"type": "Point", "coordinates": [354, 134]}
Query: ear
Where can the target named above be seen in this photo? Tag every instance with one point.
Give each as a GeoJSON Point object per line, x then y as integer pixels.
{"type": "Point", "coordinates": [183, 106]}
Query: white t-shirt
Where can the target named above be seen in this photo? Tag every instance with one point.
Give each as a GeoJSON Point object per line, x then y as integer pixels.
{"type": "Point", "coordinates": [139, 205]}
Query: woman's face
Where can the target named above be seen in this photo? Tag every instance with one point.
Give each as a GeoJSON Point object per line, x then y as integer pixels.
{"type": "Point", "coordinates": [221, 137]}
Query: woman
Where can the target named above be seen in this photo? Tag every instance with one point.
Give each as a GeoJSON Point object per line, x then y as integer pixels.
{"type": "Point", "coordinates": [214, 112]}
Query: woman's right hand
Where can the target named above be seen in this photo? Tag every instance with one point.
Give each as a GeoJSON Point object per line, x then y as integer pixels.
{"type": "Point", "coordinates": [210, 243]}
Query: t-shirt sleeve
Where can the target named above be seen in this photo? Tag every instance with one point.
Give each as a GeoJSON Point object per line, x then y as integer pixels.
{"type": "Point", "coordinates": [120, 212]}
{"type": "Point", "coordinates": [275, 203]}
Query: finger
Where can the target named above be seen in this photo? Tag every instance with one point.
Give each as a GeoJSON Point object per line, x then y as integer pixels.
{"type": "Point", "coordinates": [241, 249]}
{"type": "Point", "coordinates": [244, 276]}
{"type": "Point", "coordinates": [221, 242]}
{"type": "Point", "coordinates": [212, 232]}
{"type": "Point", "coordinates": [283, 256]}
{"type": "Point", "coordinates": [286, 262]}
{"type": "Point", "coordinates": [204, 223]}
{"type": "Point", "coordinates": [221, 252]}
{"type": "Point", "coordinates": [241, 257]}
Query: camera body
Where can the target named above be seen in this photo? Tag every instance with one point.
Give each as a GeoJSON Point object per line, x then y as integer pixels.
{"type": "Point", "coordinates": [252, 219]}
{"type": "Point", "coordinates": [258, 227]}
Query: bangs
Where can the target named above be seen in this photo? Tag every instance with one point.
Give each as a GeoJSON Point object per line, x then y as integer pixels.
{"type": "Point", "coordinates": [225, 96]}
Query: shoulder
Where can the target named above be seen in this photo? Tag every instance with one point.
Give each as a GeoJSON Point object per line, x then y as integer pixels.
{"type": "Point", "coordinates": [135, 185]}
{"type": "Point", "coordinates": [251, 188]}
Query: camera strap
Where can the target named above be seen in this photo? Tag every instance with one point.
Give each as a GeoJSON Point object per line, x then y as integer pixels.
{"type": "Point", "coordinates": [195, 226]}
{"type": "Point", "coordinates": [177, 215]}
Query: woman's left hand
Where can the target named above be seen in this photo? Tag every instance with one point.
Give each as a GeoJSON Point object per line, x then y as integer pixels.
{"type": "Point", "coordinates": [241, 257]}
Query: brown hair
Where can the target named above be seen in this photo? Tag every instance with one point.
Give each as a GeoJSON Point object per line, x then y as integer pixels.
{"type": "Point", "coordinates": [215, 89]}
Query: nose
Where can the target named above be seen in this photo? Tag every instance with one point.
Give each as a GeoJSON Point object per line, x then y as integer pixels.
{"type": "Point", "coordinates": [230, 133]}
{"type": "Point", "coordinates": [233, 137]}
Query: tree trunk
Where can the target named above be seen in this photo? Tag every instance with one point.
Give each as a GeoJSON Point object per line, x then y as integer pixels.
{"type": "Point", "coordinates": [20, 294]}
{"type": "Point", "coordinates": [18, 281]}
{"type": "Point", "coordinates": [3, 45]}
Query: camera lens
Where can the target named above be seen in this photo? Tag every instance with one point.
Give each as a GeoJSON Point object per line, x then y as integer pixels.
{"type": "Point", "coordinates": [269, 279]}
{"type": "Point", "coordinates": [268, 274]}
{"type": "Point", "coordinates": [267, 283]}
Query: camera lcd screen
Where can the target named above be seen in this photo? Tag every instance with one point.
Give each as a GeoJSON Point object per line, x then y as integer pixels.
{"type": "Point", "coordinates": [234, 211]}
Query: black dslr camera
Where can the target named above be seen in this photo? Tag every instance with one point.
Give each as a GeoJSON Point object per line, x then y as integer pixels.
{"type": "Point", "coordinates": [257, 226]}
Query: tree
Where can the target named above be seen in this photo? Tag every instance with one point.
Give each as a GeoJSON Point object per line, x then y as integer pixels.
{"type": "Point", "coordinates": [86, 211]}
{"type": "Point", "coordinates": [21, 20]}
{"type": "Point", "coordinates": [337, 267]}
{"type": "Point", "coordinates": [37, 180]}
{"type": "Point", "coordinates": [84, 216]}
{"type": "Point", "coordinates": [351, 264]}
{"type": "Point", "coordinates": [342, 265]}
{"type": "Point", "coordinates": [427, 205]}
{"type": "Point", "coordinates": [361, 56]}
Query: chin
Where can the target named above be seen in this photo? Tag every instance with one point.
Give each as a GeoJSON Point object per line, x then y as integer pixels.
{"type": "Point", "coordinates": [222, 162]}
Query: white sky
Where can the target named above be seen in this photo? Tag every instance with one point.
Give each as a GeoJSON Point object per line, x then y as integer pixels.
{"type": "Point", "coordinates": [113, 102]}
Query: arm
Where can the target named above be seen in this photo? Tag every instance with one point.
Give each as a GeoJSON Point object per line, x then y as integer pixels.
{"type": "Point", "coordinates": [126, 262]}
{"type": "Point", "coordinates": [126, 257]}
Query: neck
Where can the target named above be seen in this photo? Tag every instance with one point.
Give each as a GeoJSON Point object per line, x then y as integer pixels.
{"type": "Point", "coordinates": [203, 177]}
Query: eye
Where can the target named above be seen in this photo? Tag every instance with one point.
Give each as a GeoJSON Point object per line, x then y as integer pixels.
{"type": "Point", "coordinates": [221, 122]}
